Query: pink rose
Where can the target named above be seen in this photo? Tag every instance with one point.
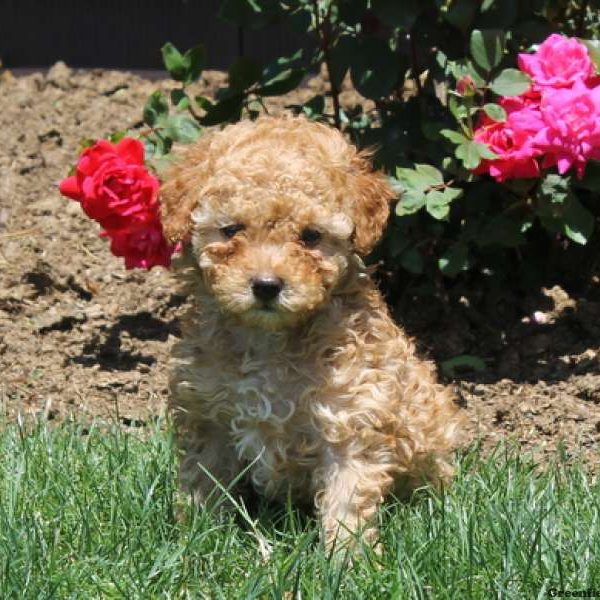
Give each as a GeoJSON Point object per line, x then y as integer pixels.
{"type": "Point", "coordinates": [571, 135]}
{"type": "Point", "coordinates": [142, 245]}
{"type": "Point", "coordinates": [512, 141]}
{"type": "Point", "coordinates": [559, 62]}
{"type": "Point", "coordinates": [112, 184]}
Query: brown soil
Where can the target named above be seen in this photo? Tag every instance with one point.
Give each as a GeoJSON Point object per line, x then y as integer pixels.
{"type": "Point", "coordinates": [81, 337]}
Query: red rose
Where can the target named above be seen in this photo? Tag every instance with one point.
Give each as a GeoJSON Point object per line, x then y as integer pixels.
{"type": "Point", "coordinates": [112, 184]}
{"type": "Point", "coordinates": [114, 188]}
{"type": "Point", "coordinates": [142, 245]}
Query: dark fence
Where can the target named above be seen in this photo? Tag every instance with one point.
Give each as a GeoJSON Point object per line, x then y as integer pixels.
{"type": "Point", "coordinates": [128, 33]}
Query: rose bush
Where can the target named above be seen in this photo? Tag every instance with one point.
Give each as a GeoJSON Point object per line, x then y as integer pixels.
{"type": "Point", "coordinates": [482, 112]}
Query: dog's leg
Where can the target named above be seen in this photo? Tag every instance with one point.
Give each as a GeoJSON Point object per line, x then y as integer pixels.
{"type": "Point", "coordinates": [208, 459]}
{"type": "Point", "coordinates": [349, 491]}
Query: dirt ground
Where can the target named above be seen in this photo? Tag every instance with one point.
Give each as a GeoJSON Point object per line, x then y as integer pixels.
{"type": "Point", "coordinates": [81, 337]}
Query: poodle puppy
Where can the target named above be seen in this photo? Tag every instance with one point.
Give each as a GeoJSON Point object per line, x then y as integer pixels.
{"type": "Point", "coordinates": [290, 366]}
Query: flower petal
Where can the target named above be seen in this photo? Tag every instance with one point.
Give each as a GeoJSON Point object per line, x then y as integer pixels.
{"type": "Point", "coordinates": [131, 150]}
{"type": "Point", "coordinates": [70, 187]}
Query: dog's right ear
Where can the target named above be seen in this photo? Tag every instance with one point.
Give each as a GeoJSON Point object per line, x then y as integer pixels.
{"type": "Point", "coordinates": [179, 195]}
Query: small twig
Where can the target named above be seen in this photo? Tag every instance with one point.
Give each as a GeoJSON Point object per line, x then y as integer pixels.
{"type": "Point", "coordinates": [88, 252]}
{"type": "Point", "coordinates": [18, 234]}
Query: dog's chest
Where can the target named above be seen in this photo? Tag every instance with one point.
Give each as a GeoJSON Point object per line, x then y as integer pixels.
{"type": "Point", "coordinates": [271, 427]}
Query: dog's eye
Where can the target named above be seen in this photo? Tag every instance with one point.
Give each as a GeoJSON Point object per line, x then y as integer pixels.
{"type": "Point", "coordinates": [310, 237]}
{"type": "Point", "coordinates": [231, 230]}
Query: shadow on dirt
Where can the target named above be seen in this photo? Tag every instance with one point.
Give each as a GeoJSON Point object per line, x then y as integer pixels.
{"type": "Point", "coordinates": [111, 347]}
{"type": "Point", "coordinates": [544, 337]}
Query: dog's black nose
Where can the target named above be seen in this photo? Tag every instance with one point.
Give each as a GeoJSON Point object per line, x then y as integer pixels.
{"type": "Point", "coordinates": [266, 288]}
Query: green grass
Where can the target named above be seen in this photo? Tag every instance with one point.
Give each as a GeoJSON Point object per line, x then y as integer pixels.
{"type": "Point", "coordinates": [91, 514]}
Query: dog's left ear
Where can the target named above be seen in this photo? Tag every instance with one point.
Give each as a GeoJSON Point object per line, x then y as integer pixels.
{"type": "Point", "coordinates": [372, 195]}
{"type": "Point", "coordinates": [179, 195]}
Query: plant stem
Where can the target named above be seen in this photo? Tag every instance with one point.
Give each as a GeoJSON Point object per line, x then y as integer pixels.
{"type": "Point", "coordinates": [324, 30]}
{"type": "Point", "coordinates": [581, 18]}
{"type": "Point", "coordinates": [415, 67]}
{"type": "Point", "coordinates": [260, 100]}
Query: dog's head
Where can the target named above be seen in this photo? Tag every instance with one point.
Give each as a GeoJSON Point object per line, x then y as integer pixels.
{"type": "Point", "coordinates": [273, 211]}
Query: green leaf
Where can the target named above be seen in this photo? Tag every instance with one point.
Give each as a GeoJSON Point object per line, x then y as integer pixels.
{"type": "Point", "coordinates": [500, 14]}
{"type": "Point", "coordinates": [342, 56]}
{"type": "Point", "coordinates": [281, 76]}
{"type": "Point", "coordinates": [314, 107]}
{"type": "Point", "coordinates": [397, 13]}
{"type": "Point", "coordinates": [559, 209]}
{"type": "Point", "coordinates": [495, 112]}
{"type": "Point", "coordinates": [410, 202]}
{"type": "Point", "coordinates": [375, 69]}
{"type": "Point", "coordinates": [452, 194]}
{"type": "Point", "coordinates": [243, 73]}
{"type": "Point", "coordinates": [410, 179]}
{"type": "Point", "coordinates": [554, 189]}
{"type": "Point", "coordinates": [117, 136]}
{"type": "Point", "coordinates": [249, 13]}
{"type": "Point", "coordinates": [485, 152]}
{"type": "Point", "coordinates": [502, 231]}
{"type": "Point", "coordinates": [300, 20]}
{"type": "Point", "coordinates": [462, 362]}
{"type": "Point", "coordinates": [173, 61]}
{"type": "Point", "coordinates": [179, 99]}
{"type": "Point", "coordinates": [429, 174]}
{"type": "Point", "coordinates": [591, 178]}
{"type": "Point", "coordinates": [460, 13]}
{"type": "Point", "coordinates": [454, 136]}
{"type": "Point", "coordinates": [412, 260]}
{"type": "Point", "coordinates": [526, 225]}
{"type": "Point", "coordinates": [487, 47]}
{"type": "Point", "coordinates": [157, 146]}
{"type": "Point", "coordinates": [420, 178]}
{"type": "Point", "coordinates": [351, 12]}
{"type": "Point", "coordinates": [454, 260]}
{"type": "Point", "coordinates": [457, 109]}
{"type": "Point", "coordinates": [181, 128]}
{"type": "Point", "coordinates": [471, 153]}
{"type": "Point", "coordinates": [462, 67]}
{"type": "Point", "coordinates": [579, 222]}
{"type": "Point", "coordinates": [511, 82]}
{"type": "Point", "coordinates": [593, 47]}
{"type": "Point", "coordinates": [156, 108]}
{"type": "Point", "coordinates": [194, 62]}
{"type": "Point", "coordinates": [283, 83]}
{"type": "Point", "coordinates": [396, 243]}
{"type": "Point", "coordinates": [438, 205]}
{"type": "Point", "coordinates": [280, 64]}
{"type": "Point", "coordinates": [229, 109]}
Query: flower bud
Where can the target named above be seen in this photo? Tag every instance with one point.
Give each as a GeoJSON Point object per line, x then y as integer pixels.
{"type": "Point", "coordinates": [465, 86]}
